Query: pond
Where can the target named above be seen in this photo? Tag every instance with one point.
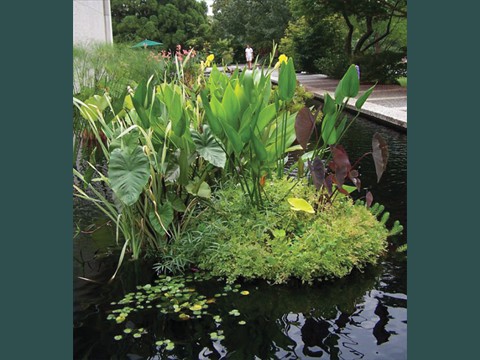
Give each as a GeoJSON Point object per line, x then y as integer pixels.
{"type": "Point", "coordinates": [362, 316]}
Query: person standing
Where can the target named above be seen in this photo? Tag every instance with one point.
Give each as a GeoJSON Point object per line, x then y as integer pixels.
{"type": "Point", "coordinates": [249, 56]}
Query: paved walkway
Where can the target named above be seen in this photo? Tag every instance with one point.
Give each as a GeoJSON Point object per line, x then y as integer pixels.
{"type": "Point", "coordinates": [387, 103]}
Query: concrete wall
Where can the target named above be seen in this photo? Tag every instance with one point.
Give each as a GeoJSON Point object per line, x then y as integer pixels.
{"type": "Point", "coordinates": [92, 22]}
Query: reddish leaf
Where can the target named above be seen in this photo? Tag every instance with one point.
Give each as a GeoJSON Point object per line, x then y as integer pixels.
{"type": "Point", "coordinates": [318, 172]}
{"type": "Point", "coordinates": [304, 125]}
{"type": "Point", "coordinates": [353, 176]}
{"type": "Point", "coordinates": [342, 164]}
{"type": "Point", "coordinates": [380, 154]}
{"type": "Point", "coordinates": [329, 183]}
{"type": "Point", "coordinates": [369, 199]}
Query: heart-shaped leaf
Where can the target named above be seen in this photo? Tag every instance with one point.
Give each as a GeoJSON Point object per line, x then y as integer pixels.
{"type": "Point", "coordinates": [208, 147]}
{"type": "Point", "coordinates": [304, 125]}
{"type": "Point", "coordinates": [128, 172]}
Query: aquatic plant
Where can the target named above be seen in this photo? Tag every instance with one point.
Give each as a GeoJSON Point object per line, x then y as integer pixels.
{"type": "Point", "coordinates": [278, 243]}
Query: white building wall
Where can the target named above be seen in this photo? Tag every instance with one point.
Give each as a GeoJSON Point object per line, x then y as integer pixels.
{"type": "Point", "coordinates": [92, 22]}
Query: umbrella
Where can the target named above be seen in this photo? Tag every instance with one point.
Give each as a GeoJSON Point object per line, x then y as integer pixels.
{"type": "Point", "coordinates": [147, 43]}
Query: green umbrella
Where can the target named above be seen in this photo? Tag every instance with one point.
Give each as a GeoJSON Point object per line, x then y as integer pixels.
{"type": "Point", "coordinates": [146, 42]}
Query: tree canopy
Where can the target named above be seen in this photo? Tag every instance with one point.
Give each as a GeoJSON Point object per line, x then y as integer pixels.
{"type": "Point", "coordinates": [168, 21]}
{"type": "Point", "coordinates": [256, 22]}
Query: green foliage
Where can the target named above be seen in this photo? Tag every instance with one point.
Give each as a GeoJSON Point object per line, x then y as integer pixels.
{"type": "Point", "coordinates": [170, 22]}
{"type": "Point", "coordinates": [254, 22]}
{"type": "Point", "coordinates": [278, 243]}
{"type": "Point", "coordinates": [402, 80]}
{"type": "Point", "coordinates": [251, 125]}
{"type": "Point", "coordinates": [384, 68]}
{"type": "Point", "coordinates": [307, 40]}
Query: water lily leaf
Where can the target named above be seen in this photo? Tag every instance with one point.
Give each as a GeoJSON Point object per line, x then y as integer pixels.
{"type": "Point", "coordinates": [118, 337]}
{"type": "Point", "coordinates": [242, 322]}
{"type": "Point", "coordinates": [209, 147]}
{"type": "Point", "coordinates": [301, 205]}
{"type": "Point", "coordinates": [183, 316]}
{"type": "Point", "coordinates": [170, 346]}
{"type": "Point", "coordinates": [244, 292]}
{"type": "Point", "coordinates": [196, 307]}
{"type": "Point", "coordinates": [128, 172]}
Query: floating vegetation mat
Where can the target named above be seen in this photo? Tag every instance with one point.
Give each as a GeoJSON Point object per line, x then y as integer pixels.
{"type": "Point", "coordinates": [176, 298]}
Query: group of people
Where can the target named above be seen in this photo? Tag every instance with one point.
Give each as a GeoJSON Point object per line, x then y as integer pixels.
{"type": "Point", "coordinates": [181, 53]}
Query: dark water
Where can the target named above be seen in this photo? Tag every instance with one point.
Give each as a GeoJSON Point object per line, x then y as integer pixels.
{"type": "Point", "coordinates": [363, 316]}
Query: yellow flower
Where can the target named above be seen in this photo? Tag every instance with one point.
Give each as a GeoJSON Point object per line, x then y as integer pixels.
{"type": "Point", "coordinates": [209, 59]}
{"type": "Point", "coordinates": [281, 59]}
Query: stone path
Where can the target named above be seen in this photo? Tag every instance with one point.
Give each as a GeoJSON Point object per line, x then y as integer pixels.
{"type": "Point", "coordinates": [387, 103]}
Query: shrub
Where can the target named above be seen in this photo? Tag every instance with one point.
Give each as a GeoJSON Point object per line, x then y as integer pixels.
{"type": "Point", "coordinates": [277, 243]}
{"type": "Point", "coordinates": [385, 67]}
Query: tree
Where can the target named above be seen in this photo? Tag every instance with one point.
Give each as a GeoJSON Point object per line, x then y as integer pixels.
{"type": "Point", "coordinates": [368, 22]}
{"type": "Point", "coordinates": [168, 21]}
{"type": "Point", "coordinates": [256, 22]}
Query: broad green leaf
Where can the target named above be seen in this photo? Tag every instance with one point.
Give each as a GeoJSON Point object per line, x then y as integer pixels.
{"type": "Point", "coordinates": [211, 117]}
{"type": "Point", "coordinates": [266, 115]}
{"type": "Point", "coordinates": [202, 190]}
{"type": "Point", "coordinates": [166, 216]}
{"type": "Point", "coordinates": [208, 147]}
{"type": "Point", "coordinates": [259, 148]}
{"type": "Point", "coordinates": [350, 82]}
{"type": "Point", "coordinates": [217, 109]}
{"type": "Point", "coordinates": [245, 128]}
{"type": "Point", "coordinates": [301, 205]}
{"type": "Point", "coordinates": [287, 80]}
{"type": "Point", "coordinates": [329, 134]}
{"type": "Point", "coordinates": [361, 100]}
{"type": "Point", "coordinates": [242, 98]}
{"type": "Point", "coordinates": [176, 202]}
{"type": "Point", "coordinates": [128, 173]}
{"type": "Point", "coordinates": [141, 112]}
{"type": "Point", "coordinates": [231, 105]}
{"type": "Point", "coordinates": [329, 106]}
{"type": "Point", "coordinates": [233, 138]}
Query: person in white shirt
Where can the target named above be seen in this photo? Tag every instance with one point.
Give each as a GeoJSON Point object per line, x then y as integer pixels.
{"type": "Point", "coordinates": [249, 56]}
